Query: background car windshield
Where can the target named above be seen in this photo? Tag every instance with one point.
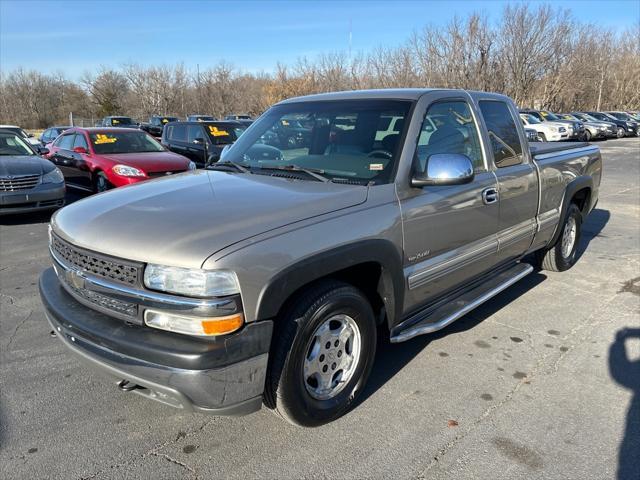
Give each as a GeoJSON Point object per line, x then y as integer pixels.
{"type": "Point", "coordinates": [551, 116]}
{"type": "Point", "coordinates": [121, 121]}
{"type": "Point", "coordinates": [531, 119]}
{"type": "Point", "coordinates": [124, 142]}
{"type": "Point", "coordinates": [352, 140]}
{"type": "Point", "coordinates": [11, 144]}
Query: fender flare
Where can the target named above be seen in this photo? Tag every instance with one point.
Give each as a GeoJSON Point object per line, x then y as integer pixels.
{"type": "Point", "coordinates": [577, 184]}
{"type": "Point", "coordinates": [383, 252]}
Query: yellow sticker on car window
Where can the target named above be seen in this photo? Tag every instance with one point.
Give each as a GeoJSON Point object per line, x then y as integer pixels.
{"type": "Point", "coordinates": [114, 121]}
{"type": "Point", "coordinates": [165, 120]}
{"type": "Point", "coordinates": [217, 132]}
{"type": "Point", "coordinates": [102, 138]}
{"type": "Point", "coordinates": [285, 123]}
{"type": "Point", "coordinates": [376, 166]}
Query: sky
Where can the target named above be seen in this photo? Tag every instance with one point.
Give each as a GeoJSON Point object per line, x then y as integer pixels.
{"type": "Point", "coordinates": [75, 36]}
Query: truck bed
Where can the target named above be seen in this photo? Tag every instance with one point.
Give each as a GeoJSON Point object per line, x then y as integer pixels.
{"type": "Point", "coordinates": [540, 148]}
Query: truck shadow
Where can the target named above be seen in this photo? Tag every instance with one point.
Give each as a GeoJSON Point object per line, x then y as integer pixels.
{"type": "Point", "coordinates": [391, 358]}
{"type": "Point", "coordinates": [592, 228]}
{"type": "Point", "coordinates": [627, 374]}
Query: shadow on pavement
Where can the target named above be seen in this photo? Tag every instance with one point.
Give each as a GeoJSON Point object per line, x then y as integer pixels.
{"type": "Point", "coordinates": [592, 228]}
{"type": "Point", "coordinates": [391, 358]}
{"type": "Point", "coordinates": [627, 374]}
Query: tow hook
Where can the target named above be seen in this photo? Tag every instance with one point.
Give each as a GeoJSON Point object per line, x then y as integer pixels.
{"type": "Point", "coordinates": [127, 386]}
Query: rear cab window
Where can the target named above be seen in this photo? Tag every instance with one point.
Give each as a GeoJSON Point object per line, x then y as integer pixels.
{"type": "Point", "coordinates": [503, 133]}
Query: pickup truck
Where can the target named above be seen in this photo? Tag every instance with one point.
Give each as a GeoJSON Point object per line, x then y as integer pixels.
{"type": "Point", "coordinates": [268, 282]}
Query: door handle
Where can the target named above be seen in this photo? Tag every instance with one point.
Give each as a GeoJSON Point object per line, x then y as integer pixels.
{"type": "Point", "coordinates": [489, 196]}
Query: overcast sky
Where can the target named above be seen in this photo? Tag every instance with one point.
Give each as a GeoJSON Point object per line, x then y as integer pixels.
{"type": "Point", "coordinates": [73, 36]}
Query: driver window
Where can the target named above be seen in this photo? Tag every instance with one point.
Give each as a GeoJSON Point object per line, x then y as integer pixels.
{"type": "Point", "coordinates": [449, 127]}
{"type": "Point", "coordinates": [66, 142]}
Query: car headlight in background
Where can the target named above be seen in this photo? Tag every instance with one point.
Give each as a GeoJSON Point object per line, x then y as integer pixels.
{"type": "Point", "coordinates": [54, 176]}
{"type": "Point", "coordinates": [191, 282]}
{"type": "Point", "coordinates": [127, 171]}
{"type": "Point", "coordinates": [192, 166]}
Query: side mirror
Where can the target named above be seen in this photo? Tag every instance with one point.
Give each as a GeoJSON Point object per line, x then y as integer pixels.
{"type": "Point", "coordinates": [444, 169]}
{"type": "Point", "coordinates": [43, 150]}
{"type": "Point", "coordinates": [81, 150]}
{"type": "Point", "coordinates": [198, 141]}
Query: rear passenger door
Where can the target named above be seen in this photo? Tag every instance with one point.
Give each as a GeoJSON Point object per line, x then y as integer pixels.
{"type": "Point", "coordinates": [449, 230]}
{"type": "Point", "coordinates": [517, 179]}
{"type": "Point", "coordinates": [177, 139]}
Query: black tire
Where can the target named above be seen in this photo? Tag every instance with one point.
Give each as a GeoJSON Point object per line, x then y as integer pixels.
{"type": "Point", "coordinates": [543, 137]}
{"type": "Point", "coordinates": [101, 183]}
{"type": "Point", "coordinates": [286, 390]}
{"type": "Point", "coordinates": [553, 258]}
{"type": "Point", "coordinates": [621, 133]}
{"type": "Point", "coordinates": [587, 135]}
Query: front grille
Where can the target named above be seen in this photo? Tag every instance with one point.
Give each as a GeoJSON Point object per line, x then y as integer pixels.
{"type": "Point", "coordinates": [122, 271]}
{"type": "Point", "coordinates": [18, 182]}
{"type": "Point", "coordinates": [109, 303]}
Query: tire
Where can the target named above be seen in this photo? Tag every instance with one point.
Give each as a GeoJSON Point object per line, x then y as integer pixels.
{"type": "Point", "coordinates": [101, 183]}
{"type": "Point", "coordinates": [562, 256]}
{"type": "Point", "coordinates": [621, 132]}
{"type": "Point", "coordinates": [543, 137]}
{"type": "Point", "coordinates": [305, 345]}
{"type": "Point", "coordinates": [587, 135]}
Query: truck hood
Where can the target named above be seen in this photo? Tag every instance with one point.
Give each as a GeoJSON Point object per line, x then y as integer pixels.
{"type": "Point", "coordinates": [150, 161]}
{"type": "Point", "coordinates": [183, 219]}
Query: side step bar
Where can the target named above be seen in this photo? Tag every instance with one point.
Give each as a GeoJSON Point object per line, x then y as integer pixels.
{"type": "Point", "coordinates": [437, 318]}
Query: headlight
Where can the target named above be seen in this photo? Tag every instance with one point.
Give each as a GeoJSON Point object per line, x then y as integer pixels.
{"type": "Point", "coordinates": [54, 176]}
{"type": "Point", "coordinates": [192, 166]}
{"type": "Point", "coordinates": [554, 129]}
{"type": "Point", "coordinates": [127, 171]}
{"type": "Point", "coordinates": [191, 281]}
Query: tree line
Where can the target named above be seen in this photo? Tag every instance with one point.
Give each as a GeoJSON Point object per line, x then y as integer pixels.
{"type": "Point", "coordinates": [540, 56]}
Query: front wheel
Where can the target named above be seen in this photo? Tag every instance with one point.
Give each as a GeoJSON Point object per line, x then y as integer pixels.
{"type": "Point", "coordinates": [587, 135]}
{"type": "Point", "coordinates": [621, 132]}
{"type": "Point", "coordinates": [322, 354]}
{"type": "Point", "coordinates": [543, 137]}
{"type": "Point", "coordinates": [101, 183]}
{"type": "Point", "coordinates": [563, 255]}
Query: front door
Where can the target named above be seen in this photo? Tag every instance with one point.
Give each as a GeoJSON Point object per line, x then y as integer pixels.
{"type": "Point", "coordinates": [449, 231]}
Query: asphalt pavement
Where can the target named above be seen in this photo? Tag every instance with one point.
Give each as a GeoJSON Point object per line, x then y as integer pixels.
{"type": "Point", "coordinates": [542, 381]}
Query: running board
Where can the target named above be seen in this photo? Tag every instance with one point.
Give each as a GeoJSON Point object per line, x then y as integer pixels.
{"type": "Point", "coordinates": [439, 317]}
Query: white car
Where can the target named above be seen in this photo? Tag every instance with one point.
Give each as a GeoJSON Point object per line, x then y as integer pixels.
{"type": "Point", "coordinates": [19, 131]}
{"type": "Point", "coordinates": [547, 131]}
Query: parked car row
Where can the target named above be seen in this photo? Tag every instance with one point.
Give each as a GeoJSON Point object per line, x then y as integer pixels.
{"type": "Point", "coordinates": [583, 126]}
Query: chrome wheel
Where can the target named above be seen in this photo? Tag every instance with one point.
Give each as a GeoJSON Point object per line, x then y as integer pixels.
{"type": "Point", "coordinates": [569, 237]}
{"type": "Point", "coordinates": [332, 357]}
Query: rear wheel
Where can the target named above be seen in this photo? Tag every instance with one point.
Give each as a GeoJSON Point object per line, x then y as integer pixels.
{"type": "Point", "coordinates": [322, 355]}
{"type": "Point", "coordinates": [101, 183]}
{"type": "Point", "coordinates": [562, 255]}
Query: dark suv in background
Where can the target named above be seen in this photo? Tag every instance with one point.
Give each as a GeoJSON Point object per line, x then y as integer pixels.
{"type": "Point", "coordinates": [156, 125]}
{"type": "Point", "coordinates": [201, 142]}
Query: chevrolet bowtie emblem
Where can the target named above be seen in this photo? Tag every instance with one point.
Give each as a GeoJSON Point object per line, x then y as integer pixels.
{"type": "Point", "coordinates": [75, 278]}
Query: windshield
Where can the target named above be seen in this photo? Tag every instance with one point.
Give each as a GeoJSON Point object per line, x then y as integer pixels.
{"type": "Point", "coordinates": [121, 121]}
{"type": "Point", "coordinates": [530, 119]}
{"type": "Point", "coordinates": [14, 145]}
{"type": "Point", "coordinates": [124, 142]}
{"type": "Point", "coordinates": [347, 141]}
{"type": "Point", "coordinates": [550, 116]}
{"type": "Point", "coordinates": [221, 134]}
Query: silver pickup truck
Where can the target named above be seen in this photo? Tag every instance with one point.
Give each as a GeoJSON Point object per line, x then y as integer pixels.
{"type": "Point", "coordinates": [266, 278]}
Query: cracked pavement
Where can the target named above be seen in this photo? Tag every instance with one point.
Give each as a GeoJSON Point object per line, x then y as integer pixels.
{"type": "Point", "coordinates": [526, 386]}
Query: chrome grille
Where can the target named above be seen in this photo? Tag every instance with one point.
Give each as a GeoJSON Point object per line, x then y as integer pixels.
{"type": "Point", "coordinates": [100, 265]}
{"type": "Point", "coordinates": [18, 182]}
{"type": "Point", "coordinates": [109, 303]}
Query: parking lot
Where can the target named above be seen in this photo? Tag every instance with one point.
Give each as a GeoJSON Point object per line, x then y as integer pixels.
{"type": "Point", "coordinates": [530, 385]}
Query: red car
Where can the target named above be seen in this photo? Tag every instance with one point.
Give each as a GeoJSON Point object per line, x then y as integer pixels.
{"type": "Point", "coordinates": [97, 159]}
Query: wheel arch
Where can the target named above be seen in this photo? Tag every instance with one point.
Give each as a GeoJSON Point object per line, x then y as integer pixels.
{"type": "Point", "coordinates": [373, 266]}
{"type": "Point", "coordinates": [578, 192]}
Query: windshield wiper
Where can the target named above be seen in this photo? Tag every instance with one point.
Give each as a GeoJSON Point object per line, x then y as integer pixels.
{"type": "Point", "coordinates": [228, 163]}
{"type": "Point", "coordinates": [316, 173]}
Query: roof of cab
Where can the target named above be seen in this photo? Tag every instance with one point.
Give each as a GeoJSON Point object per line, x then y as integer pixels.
{"type": "Point", "coordinates": [385, 94]}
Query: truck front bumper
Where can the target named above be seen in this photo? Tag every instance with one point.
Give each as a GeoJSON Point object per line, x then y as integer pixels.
{"type": "Point", "coordinates": [220, 376]}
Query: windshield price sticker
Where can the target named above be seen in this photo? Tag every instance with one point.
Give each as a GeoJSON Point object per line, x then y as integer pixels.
{"type": "Point", "coordinates": [102, 138]}
{"type": "Point", "coordinates": [165, 120]}
{"type": "Point", "coordinates": [376, 166]}
{"type": "Point", "coordinates": [114, 121]}
{"type": "Point", "coordinates": [216, 132]}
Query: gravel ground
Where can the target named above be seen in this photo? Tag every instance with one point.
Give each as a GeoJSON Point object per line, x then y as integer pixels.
{"type": "Point", "coordinates": [533, 384]}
